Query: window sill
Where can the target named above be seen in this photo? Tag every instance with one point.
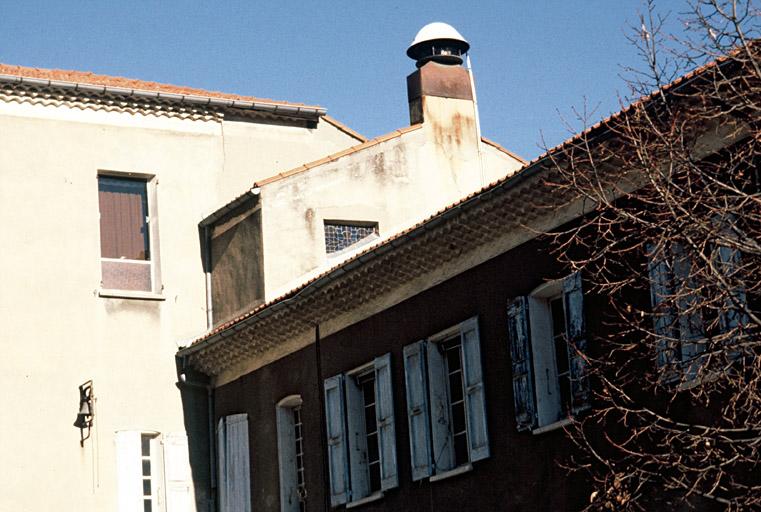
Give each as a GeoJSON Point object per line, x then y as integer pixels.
{"type": "Point", "coordinates": [129, 294]}
{"type": "Point", "coordinates": [459, 470]}
{"type": "Point", "coordinates": [367, 499]}
{"type": "Point", "coordinates": [552, 426]}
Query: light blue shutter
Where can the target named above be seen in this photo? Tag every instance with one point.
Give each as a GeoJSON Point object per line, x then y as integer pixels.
{"type": "Point", "coordinates": [668, 350]}
{"type": "Point", "coordinates": [384, 415]}
{"type": "Point", "coordinates": [577, 341]}
{"type": "Point", "coordinates": [238, 468]}
{"type": "Point", "coordinates": [336, 431]}
{"type": "Point", "coordinates": [688, 305]}
{"type": "Point", "coordinates": [519, 337]}
{"type": "Point", "coordinates": [732, 314]}
{"type": "Point", "coordinates": [221, 465]}
{"type": "Point", "coordinates": [475, 396]}
{"type": "Point", "coordinates": [415, 377]}
{"type": "Point", "coordinates": [441, 434]}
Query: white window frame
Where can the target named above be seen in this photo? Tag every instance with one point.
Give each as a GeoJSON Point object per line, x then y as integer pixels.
{"type": "Point", "coordinates": [429, 403]}
{"type": "Point", "coordinates": [151, 186]}
{"type": "Point", "coordinates": [548, 405]}
{"type": "Point", "coordinates": [291, 494]}
{"type": "Point", "coordinates": [347, 439]}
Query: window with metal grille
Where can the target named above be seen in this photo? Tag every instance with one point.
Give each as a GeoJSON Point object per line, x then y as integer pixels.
{"type": "Point", "coordinates": [340, 235]}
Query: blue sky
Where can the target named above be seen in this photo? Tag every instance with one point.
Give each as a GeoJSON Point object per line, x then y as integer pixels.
{"type": "Point", "coordinates": [534, 60]}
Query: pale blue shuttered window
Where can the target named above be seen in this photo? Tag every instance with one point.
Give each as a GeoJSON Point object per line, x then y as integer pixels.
{"type": "Point", "coordinates": [677, 307]}
{"type": "Point", "coordinates": [446, 405]}
{"type": "Point", "coordinates": [547, 336]}
{"type": "Point", "coordinates": [359, 409]}
{"type": "Point", "coordinates": [234, 482]}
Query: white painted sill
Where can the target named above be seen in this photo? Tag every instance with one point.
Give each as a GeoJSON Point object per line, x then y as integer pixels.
{"type": "Point", "coordinates": [552, 426]}
{"type": "Point", "coordinates": [459, 470]}
{"type": "Point", "coordinates": [129, 294]}
{"type": "Point", "coordinates": [367, 499]}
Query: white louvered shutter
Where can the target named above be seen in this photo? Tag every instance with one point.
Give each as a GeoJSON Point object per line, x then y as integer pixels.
{"type": "Point", "coordinates": [129, 471]}
{"type": "Point", "coordinates": [337, 456]}
{"type": "Point", "coordinates": [418, 419]}
{"type": "Point", "coordinates": [475, 395]}
{"type": "Point", "coordinates": [238, 472]}
{"type": "Point", "coordinates": [177, 475]}
{"type": "Point", "coordinates": [384, 415]}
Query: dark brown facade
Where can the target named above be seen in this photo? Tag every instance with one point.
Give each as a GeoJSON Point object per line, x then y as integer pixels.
{"type": "Point", "coordinates": [522, 471]}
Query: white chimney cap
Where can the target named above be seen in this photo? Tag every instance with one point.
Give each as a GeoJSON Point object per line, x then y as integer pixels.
{"type": "Point", "coordinates": [436, 34]}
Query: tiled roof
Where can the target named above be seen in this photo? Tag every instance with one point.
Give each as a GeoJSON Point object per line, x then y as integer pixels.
{"type": "Point", "coordinates": [386, 246]}
{"type": "Point", "coordinates": [86, 77]}
{"type": "Point", "coordinates": [344, 128]}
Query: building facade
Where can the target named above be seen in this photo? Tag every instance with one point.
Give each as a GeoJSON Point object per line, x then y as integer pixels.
{"type": "Point", "coordinates": [107, 179]}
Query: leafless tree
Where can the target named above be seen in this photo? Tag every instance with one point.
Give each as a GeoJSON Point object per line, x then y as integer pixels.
{"type": "Point", "coordinates": [670, 245]}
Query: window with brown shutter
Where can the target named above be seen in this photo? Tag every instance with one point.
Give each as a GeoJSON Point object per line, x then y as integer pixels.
{"type": "Point", "coordinates": [124, 234]}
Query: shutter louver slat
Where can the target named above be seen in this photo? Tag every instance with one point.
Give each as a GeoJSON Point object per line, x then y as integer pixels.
{"type": "Point", "coordinates": [519, 338]}
{"type": "Point", "coordinates": [442, 451]}
{"type": "Point", "coordinates": [418, 418]}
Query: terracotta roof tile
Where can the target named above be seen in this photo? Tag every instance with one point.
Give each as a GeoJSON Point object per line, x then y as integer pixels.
{"type": "Point", "coordinates": [503, 149]}
{"type": "Point", "coordinates": [344, 128]}
{"type": "Point", "coordinates": [86, 77]}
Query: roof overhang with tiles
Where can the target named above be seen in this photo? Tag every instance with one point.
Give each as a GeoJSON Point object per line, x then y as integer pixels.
{"type": "Point", "coordinates": [147, 94]}
{"type": "Point", "coordinates": [472, 231]}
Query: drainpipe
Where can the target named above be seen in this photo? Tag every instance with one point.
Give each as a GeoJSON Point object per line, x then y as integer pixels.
{"type": "Point", "coordinates": [184, 382]}
{"type": "Point", "coordinates": [207, 275]}
{"type": "Point", "coordinates": [323, 428]}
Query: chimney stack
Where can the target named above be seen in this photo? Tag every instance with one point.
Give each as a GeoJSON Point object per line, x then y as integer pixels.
{"type": "Point", "coordinates": [438, 51]}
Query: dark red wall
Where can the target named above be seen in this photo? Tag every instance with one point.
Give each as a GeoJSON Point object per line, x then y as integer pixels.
{"type": "Point", "coordinates": [522, 473]}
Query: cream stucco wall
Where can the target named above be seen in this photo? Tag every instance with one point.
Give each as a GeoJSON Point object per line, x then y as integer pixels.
{"type": "Point", "coordinates": [57, 331]}
{"type": "Point", "coordinates": [395, 183]}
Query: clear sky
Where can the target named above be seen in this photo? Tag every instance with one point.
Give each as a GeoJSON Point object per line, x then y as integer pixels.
{"type": "Point", "coordinates": [534, 60]}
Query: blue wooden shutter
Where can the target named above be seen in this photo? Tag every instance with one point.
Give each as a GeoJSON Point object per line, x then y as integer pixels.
{"type": "Point", "coordinates": [336, 431]}
{"type": "Point", "coordinates": [519, 338]}
{"type": "Point", "coordinates": [237, 464]}
{"type": "Point", "coordinates": [668, 350]}
{"type": "Point", "coordinates": [577, 341]}
{"type": "Point", "coordinates": [384, 415]}
{"type": "Point", "coordinates": [475, 396]}
{"type": "Point", "coordinates": [732, 314]}
{"type": "Point", "coordinates": [691, 332]}
{"type": "Point", "coordinates": [442, 449]}
{"type": "Point", "coordinates": [418, 419]}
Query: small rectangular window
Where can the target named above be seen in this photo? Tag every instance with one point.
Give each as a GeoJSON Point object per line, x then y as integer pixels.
{"type": "Point", "coordinates": [127, 262]}
{"type": "Point", "coordinates": [340, 235]}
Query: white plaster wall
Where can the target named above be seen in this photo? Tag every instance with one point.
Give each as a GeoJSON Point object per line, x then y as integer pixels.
{"type": "Point", "coordinates": [57, 332]}
{"type": "Point", "coordinates": [396, 183]}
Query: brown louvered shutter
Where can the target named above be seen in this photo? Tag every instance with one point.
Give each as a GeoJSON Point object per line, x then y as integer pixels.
{"type": "Point", "coordinates": [123, 218]}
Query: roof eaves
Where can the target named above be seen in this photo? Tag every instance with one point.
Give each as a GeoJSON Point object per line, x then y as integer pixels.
{"type": "Point", "coordinates": [273, 107]}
